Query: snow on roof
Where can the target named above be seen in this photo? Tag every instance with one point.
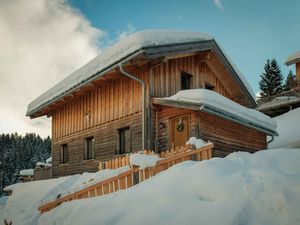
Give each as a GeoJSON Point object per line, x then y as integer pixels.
{"type": "Point", "coordinates": [27, 172]}
{"type": "Point", "coordinates": [113, 55]}
{"type": "Point", "coordinates": [293, 58]}
{"type": "Point", "coordinates": [224, 106]}
{"type": "Point", "coordinates": [123, 50]}
{"type": "Point", "coordinates": [279, 102]}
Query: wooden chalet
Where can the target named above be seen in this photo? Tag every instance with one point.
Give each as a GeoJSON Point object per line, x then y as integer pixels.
{"type": "Point", "coordinates": [97, 111]}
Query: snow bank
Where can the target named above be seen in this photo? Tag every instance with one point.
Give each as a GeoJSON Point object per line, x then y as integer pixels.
{"type": "Point", "coordinates": [27, 172]}
{"type": "Point", "coordinates": [197, 143]}
{"type": "Point", "coordinates": [288, 130]}
{"type": "Point", "coordinates": [220, 103]}
{"type": "Point", "coordinates": [143, 160]}
{"type": "Point", "coordinates": [263, 188]}
{"type": "Point", "coordinates": [79, 181]}
{"type": "Point", "coordinates": [22, 205]}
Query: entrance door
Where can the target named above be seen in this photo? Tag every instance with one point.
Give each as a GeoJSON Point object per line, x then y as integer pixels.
{"type": "Point", "coordinates": [179, 131]}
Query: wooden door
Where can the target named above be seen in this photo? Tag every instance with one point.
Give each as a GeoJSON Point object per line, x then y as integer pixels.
{"type": "Point", "coordinates": [179, 131]}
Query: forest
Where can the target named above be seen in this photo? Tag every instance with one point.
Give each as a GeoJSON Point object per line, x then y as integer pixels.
{"type": "Point", "coordinates": [19, 152]}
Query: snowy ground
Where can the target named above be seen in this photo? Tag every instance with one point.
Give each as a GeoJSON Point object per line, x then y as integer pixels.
{"type": "Point", "coordinates": [243, 188]}
{"type": "Point", "coordinates": [21, 206]}
{"type": "Point", "coordinates": [262, 188]}
{"type": "Point", "coordinates": [288, 128]}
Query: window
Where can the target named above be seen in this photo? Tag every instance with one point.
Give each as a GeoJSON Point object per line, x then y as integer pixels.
{"type": "Point", "coordinates": [185, 81]}
{"type": "Point", "coordinates": [124, 141]}
{"type": "Point", "coordinates": [209, 86]}
{"type": "Point", "coordinates": [89, 150]}
{"type": "Point", "coordinates": [64, 154]}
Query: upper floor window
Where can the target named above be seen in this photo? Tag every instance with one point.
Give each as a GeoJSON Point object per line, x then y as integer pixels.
{"type": "Point", "coordinates": [64, 154]}
{"type": "Point", "coordinates": [185, 81]}
{"type": "Point", "coordinates": [124, 141]}
{"type": "Point", "coordinates": [89, 150]}
{"type": "Point", "coordinates": [209, 86]}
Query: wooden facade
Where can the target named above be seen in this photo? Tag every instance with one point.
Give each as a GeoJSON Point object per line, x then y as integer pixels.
{"type": "Point", "coordinates": [227, 136]}
{"type": "Point", "coordinates": [113, 102]}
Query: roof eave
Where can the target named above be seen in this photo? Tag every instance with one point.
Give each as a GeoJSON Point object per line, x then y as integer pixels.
{"type": "Point", "coordinates": [204, 108]}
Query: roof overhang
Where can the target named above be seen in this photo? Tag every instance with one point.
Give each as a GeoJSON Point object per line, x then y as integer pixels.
{"type": "Point", "coordinates": [151, 53]}
{"type": "Point", "coordinates": [213, 111]}
{"type": "Point", "coordinates": [293, 59]}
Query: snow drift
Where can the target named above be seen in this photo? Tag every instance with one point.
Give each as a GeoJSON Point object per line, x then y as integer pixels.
{"type": "Point", "coordinates": [288, 130]}
{"type": "Point", "coordinates": [263, 188]}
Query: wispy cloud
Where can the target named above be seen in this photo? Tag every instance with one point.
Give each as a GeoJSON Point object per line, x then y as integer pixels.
{"type": "Point", "coordinates": [42, 41]}
{"type": "Point", "coordinates": [218, 3]}
{"type": "Point", "coordinates": [130, 28]}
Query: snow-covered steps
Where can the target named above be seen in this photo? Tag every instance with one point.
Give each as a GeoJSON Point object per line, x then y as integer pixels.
{"type": "Point", "coordinates": [145, 169]}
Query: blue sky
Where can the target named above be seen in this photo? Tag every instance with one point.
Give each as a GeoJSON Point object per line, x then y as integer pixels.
{"type": "Point", "coordinates": [249, 31]}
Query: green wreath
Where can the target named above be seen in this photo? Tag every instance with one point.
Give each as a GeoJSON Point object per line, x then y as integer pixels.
{"type": "Point", "coordinates": [180, 127]}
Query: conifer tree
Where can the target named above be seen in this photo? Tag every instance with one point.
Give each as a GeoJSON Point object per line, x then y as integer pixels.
{"type": "Point", "coordinates": [271, 80]}
{"type": "Point", "coordinates": [291, 81]}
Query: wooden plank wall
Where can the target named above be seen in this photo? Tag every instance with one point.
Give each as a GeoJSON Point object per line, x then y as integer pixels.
{"type": "Point", "coordinates": [113, 100]}
{"type": "Point", "coordinates": [106, 142]}
{"type": "Point", "coordinates": [166, 77]}
{"type": "Point", "coordinates": [164, 116]}
{"type": "Point", "coordinates": [228, 136]}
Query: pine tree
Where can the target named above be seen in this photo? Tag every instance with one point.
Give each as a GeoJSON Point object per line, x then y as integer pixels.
{"type": "Point", "coordinates": [291, 81]}
{"type": "Point", "coordinates": [271, 82]}
{"type": "Point", "coordinates": [18, 153]}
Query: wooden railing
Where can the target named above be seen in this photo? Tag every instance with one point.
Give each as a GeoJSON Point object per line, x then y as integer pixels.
{"type": "Point", "coordinates": [123, 160]}
{"type": "Point", "coordinates": [132, 176]}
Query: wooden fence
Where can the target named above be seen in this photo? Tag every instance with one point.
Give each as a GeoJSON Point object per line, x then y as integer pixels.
{"type": "Point", "coordinates": [132, 176]}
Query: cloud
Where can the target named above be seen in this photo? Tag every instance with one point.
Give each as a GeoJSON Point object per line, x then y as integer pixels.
{"type": "Point", "coordinates": [42, 41]}
{"type": "Point", "coordinates": [126, 32]}
{"type": "Point", "coordinates": [218, 4]}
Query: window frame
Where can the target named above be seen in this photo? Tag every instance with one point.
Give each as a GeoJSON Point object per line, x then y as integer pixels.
{"type": "Point", "coordinates": [187, 77]}
{"type": "Point", "coordinates": [64, 154]}
{"type": "Point", "coordinates": [122, 136]}
{"type": "Point", "coordinates": [89, 148]}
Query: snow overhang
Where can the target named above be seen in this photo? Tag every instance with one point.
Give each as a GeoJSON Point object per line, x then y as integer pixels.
{"type": "Point", "coordinates": [213, 110]}
{"type": "Point", "coordinates": [284, 101]}
{"type": "Point", "coordinates": [293, 58]}
{"type": "Point", "coordinates": [140, 43]}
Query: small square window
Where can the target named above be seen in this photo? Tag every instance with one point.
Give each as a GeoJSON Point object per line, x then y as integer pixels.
{"type": "Point", "coordinates": [89, 150]}
{"type": "Point", "coordinates": [124, 141]}
{"type": "Point", "coordinates": [64, 154]}
{"type": "Point", "coordinates": [185, 81]}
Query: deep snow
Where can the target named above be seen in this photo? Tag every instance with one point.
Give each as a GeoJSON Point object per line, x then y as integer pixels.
{"type": "Point", "coordinates": [288, 128]}
{"type": "Point", "coordinates": [263, 188]}
{"type": "Point", "coordinates": [243, 188]}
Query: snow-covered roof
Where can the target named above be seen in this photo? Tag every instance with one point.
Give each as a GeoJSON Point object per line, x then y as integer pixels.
{"type": "Point", "coordinates": [279, 102]}
{"type": "Point", "coordinates": [214, 103]}
{"type": "Point", "coordinates": [27, 172]}
{"type": "Point", "coordinates": [293, 58]}
{"type": "Point", "coordinates": [122, 51]}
